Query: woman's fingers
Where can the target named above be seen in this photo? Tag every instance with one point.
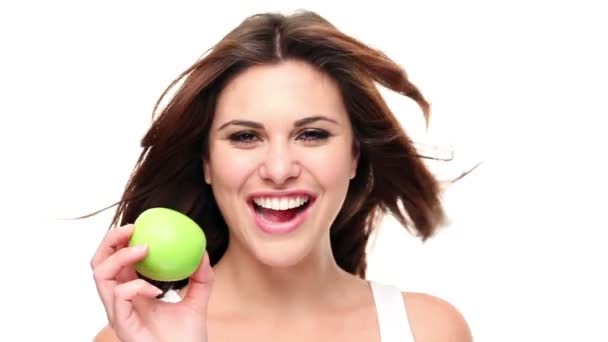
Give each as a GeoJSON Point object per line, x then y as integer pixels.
{"type": "Point", "coordinates": [114, 239]}
{"type": "Point", "coordinates": [199, 287]}
{"type": "Point", "coordinates": [124, 315]}
{"type": "Point", "coordinates": [107, 272]}
{"type": "Point", "coordinates": [127, 256]}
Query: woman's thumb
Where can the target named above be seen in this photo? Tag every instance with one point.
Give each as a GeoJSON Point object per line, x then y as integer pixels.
{"type": "Point", "coordinates": [199, 286]}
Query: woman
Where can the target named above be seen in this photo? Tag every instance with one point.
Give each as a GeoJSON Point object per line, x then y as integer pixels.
{"type": "Point", "coordinates": [280, 146]}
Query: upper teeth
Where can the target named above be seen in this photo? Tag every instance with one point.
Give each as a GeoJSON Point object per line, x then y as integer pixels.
{"type": "Point", "coordinates": [282, 203]}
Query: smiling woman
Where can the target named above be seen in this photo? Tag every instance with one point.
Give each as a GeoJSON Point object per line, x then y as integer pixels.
{"type": "Point", "coordinates": [279, 145]}
{"type": "Point", "coordinates": [286, 155]}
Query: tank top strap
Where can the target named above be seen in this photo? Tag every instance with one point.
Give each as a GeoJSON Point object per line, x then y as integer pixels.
{"type": "Point", "coordinates": [393, 320]}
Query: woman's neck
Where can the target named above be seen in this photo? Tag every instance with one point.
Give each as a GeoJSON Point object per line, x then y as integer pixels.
{"type": "Point", "coordinates": [243, 284]}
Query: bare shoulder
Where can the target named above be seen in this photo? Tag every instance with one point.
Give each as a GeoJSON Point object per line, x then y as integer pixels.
{"type": "Point", "coordinates": [106, 335]}
{"type": "Point", "coordinates": [434, 319]}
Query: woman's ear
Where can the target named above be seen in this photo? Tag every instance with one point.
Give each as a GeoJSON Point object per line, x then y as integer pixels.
{"type": "Point", "coordinates": [355, 161]}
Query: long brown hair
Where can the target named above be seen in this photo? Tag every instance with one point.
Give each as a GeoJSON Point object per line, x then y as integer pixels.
{"type": "Point", "coordinates": [391, 176]}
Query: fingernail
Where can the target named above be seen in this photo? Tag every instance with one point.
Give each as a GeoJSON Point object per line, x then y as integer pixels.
{"type": "Point", "coordinates": [139, 248]}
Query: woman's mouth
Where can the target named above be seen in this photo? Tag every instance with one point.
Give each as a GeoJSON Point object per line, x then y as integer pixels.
{"type": "Point", "coordinates": [280, 214]}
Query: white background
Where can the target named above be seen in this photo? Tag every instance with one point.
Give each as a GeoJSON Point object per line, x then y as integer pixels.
{"type": "Point", "coordinates": [521, 86]}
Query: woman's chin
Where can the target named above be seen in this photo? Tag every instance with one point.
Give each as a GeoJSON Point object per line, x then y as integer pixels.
{"type": "Point", "coordinates": [281, 254]}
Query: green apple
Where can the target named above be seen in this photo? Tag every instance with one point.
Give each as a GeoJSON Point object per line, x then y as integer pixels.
{"type": "Point", "coordinates": [176, 244]}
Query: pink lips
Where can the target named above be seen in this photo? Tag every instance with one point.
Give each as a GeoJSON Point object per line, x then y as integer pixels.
{"type": "Point", "coordinates": [279, 228]}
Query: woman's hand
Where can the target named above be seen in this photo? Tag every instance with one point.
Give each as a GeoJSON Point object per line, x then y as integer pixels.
{"type": "Point", "coordinates": [133, 311]}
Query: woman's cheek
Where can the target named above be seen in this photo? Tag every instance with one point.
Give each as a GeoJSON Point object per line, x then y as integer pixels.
{"type": "Point", "coordinates": [329, 166]}
{"type": "Point", "coordinates": [232, 167]}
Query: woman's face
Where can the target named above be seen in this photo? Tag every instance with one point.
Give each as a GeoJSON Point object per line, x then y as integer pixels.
{"type": "Point", "coordinates": [280, 160]}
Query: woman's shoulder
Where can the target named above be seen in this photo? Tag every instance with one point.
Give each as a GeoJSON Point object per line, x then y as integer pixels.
{"type": "Point", "coordinates": [435, 319]}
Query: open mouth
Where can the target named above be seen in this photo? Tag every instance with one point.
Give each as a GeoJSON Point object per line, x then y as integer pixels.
{"type": "Point", "coordinates": [280, 214]}
{"type": "Point", "coordinates": [280, 210]}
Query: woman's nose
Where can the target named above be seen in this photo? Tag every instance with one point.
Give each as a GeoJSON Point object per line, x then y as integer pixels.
{"type": "Point", "coordinates": [280, 165]}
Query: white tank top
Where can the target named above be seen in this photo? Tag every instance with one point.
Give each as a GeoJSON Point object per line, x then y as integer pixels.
{"type": "Point", "coordinates": [393, 320]}
{"type": "Point", "coordinates": [392, 315]}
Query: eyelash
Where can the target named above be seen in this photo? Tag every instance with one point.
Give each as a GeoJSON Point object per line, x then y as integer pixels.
{"type": "Point", "coordinates": [309, 135]}
{"type": "Point", "coordinates": [317, 134]}
{"type": "Point", "coordinates": [240, 137]}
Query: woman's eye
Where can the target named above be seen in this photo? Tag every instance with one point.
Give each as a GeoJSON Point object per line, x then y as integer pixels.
{"type": "Point", "coordinates": [313, 135]}
{"type": "Point", "coordinates": [244, 137]}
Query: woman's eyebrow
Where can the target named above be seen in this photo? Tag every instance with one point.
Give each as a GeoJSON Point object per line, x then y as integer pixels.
{"type": "Point", "coordinates": [245, 123]}
{"type": "Point", "coordinates": [312, 119]}
{"type": "Point", "coordinates": [257, 125]}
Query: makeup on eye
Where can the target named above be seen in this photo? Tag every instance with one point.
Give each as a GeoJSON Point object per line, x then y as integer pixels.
{"type": "Point", "coordinates": [244, 137]}
{"type": "Point", "coordinates": [314, 134]}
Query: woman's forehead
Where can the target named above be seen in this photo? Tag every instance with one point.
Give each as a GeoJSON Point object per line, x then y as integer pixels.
{"type": "Point", "coordinates": [287, 90]}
